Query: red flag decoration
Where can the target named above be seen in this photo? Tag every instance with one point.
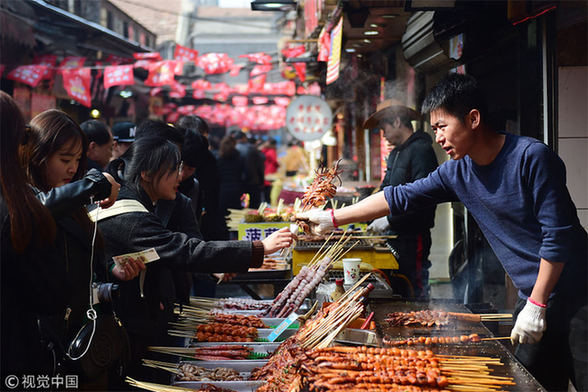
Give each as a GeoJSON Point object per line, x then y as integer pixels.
{"type": "Point", "coordinates": [46, 59]}
{"type": "Point", "coordinates": [239, 100]}
{"type": "Point", "coordinates": [173, 117]}
{"type": "Point", "coordinates": [118, 75]}
{"type": "Point", "coordinates": [260, 69]}
{"type": "Point", "coordinates": [260, 100]}
{"type": "Point", "coordinates": [28, 74]}
{"type": "Point", "coordinates": [73, 62]}
{"type": "Point", "coordinates": [282, 101]}
{"type": "Point", "coordinates": [215, 63]}
{"type": "Point", "coordinates": [178, 67]}
{"type": "Point", "coordinates": [293, 52]}
{"type": "Point", "coordinates": [153, 56]}
{"type": "Point", "coordinates": [145, 64]}
{"type": "Point", "coordinates": [155, 90]}
{"type": "Point", "coordinates": [241, 88]}
{"type": "Point", "coordinates": [186, 109]}
{"type": "Point", "coordinates": [300, 71]}
{"type": "Point", "coordinates": [161, 73]}
{"type": "Point", "coordinates": [201, 84]}
{"type": "Point", "coordinates": [116, 60]}
{"type": "Point", "coordinates": [324, 45]}
{"type": "Point", "coordinates": [183, 53]}
{"type": "Point", "coordinates": [198, 94]}
{"type": "Point", "coordinates": [335, 55]}
{"type": "Point", "coordinates": [235, 69]}
{"type": "Point", "coordinates": [178, 90]}
{"type": "Point", "coordinates": [49, 60]}
{"type": "Point", "coordinates": [256, 83]}
{"type": "Point", "coordinates": [76, 82]}
{"type": "Point", "coordinates": [258, 58]}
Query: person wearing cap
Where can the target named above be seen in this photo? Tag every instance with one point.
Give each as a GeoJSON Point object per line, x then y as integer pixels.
{"type": "Point", "coordinates": [411, 158]}
{"type": "Point", "coordinates": [515, 188]}
{"type": "Point", "coordinates": [124, 135]}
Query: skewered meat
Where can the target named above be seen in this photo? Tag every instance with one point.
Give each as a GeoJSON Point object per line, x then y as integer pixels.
{"type": "Point", "coordinates": [190, 372]}
{"type": "Point", "coordinates": [425, 318]}
{"type": "Point", "coordinates": [227, 329]}
{"type": "Point", "coordinates": [236, 319]}
{"type": "Point", "coordinates": [222, 352]}
{"type": "Point", "coordinates": [243, 304]}
{"type": "Point", "coordinates": [431, 340]}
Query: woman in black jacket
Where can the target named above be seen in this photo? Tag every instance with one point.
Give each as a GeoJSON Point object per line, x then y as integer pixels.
{"type": "Point", "coordinates": [152, 176]}
{"type": "Point", "coordinates": [37, 275]}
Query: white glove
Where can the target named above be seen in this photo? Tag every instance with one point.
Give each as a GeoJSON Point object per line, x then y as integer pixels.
{"type": "Point", "coordinates": [322, 220]}
{"type": "Point", "coordinates": [379, 226]}
{"type": "Point", "coordinates": [530, 324]}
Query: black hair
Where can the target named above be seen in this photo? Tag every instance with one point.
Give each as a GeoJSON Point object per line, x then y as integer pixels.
{"type": "Point", "coordinates": [194, 147]}
{"type": "Point", "coordinates": [96, 131]}
{"type": "Point", "coordinates": [195, 123]}
{"type": "Point", "coordinates": [152, 154]}
{"type": "Point", "coordinates": [149, 128]}
{"type": "Point", "coordinates": [457, 95]}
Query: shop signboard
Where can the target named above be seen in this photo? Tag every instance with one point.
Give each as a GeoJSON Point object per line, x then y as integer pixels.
{"type": "Point", "coordinates": [308, 118]}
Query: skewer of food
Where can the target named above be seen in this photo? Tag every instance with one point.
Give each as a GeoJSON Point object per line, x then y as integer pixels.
{"type": "Point", "coordinates": [216, 332]}
{"type": "Point", "coordinates": [309, 277]}
{"type": "Point", "coordinates": [212, 353]}
{"type": "Point", "coordinates": [228, 303]}
{"type": "Point", "coordinates": [151, 386]}
{"type": "Point", "coordinates": [429, 318]}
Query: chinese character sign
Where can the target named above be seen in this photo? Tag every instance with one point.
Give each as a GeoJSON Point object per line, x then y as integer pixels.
{"type": "Point", "coordinates": [76, 81]}
{"type": "Point", "coordinates": [118, 75]}
{"type": "Point", "coordinates": [308, 118]}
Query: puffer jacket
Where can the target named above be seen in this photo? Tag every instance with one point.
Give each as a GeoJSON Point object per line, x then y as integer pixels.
{"type": "Point", "coordinates": [40, 285]}
{"type": "Point", "coordinates": [412, 160]}
{"type": "Point", "coordinates": [138, 231]}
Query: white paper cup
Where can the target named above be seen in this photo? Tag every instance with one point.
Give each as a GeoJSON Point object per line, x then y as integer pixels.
{"type": "Point", "coordinates": [351, 270]}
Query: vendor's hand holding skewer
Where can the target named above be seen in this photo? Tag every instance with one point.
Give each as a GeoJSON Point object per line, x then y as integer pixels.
{"type": "Point", "coordinates": [321, 222]}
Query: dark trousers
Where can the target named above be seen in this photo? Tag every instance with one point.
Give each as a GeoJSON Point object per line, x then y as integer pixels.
{"type": "Point", "coordinates": [412, 253]}
{"type": "Point", "coordinates": [562, 352]}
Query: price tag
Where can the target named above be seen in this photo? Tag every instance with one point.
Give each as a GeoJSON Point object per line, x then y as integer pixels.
{"type": "Point", "coordinates": [282, 327]}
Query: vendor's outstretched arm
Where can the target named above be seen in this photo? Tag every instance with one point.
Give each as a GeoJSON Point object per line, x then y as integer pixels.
{"type": "Point", "coordinates": [369, 208]}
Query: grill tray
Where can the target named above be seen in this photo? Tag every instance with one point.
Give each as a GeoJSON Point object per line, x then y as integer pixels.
{"type": "Point", "coordinates": [512, 367]}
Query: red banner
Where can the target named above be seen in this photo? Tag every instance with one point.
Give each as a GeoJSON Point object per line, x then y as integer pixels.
{"type": "Point", "coordinates": [183, 53]}
{"type": "Point", "coordinates": [153, 56]}
{"type": "Point", "coordinates": [258, 58]}
{"type": "Point", "coordinates": [215, 63]}
{"type": "Point", "coordinates": [76, 82]}
{"type": "Point", "coordinates": [293, 52]}
{"type": "Point", "coordinates": [260, 100]}
{"type": "Point", "coordinates": [118, 75]}
{"type": "Point", "coordinates": [28, 74]}
{"type": "Point", "coordinates": [300, 71]}
{"type": "Point", "coordinates": [260, 69]}
{"type": "Point", "coordinates": [161, 73]}
{"type": "Point", "coordinates": [239, 100]}
{"type": "Point", "coordinates": [178, 90]}
{"type": "Point", "coordinates": [46, 59]}
{"type": "Point", "coordinates": [256, 83]}
{"type": "Point", "coordinates": [73, 62]}
{"type": "Point", "coordinates": [235, 69]}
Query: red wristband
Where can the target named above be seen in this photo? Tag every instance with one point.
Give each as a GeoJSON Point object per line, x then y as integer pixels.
{"type": "Point", "coordinates": [536, 303]}
{"type": "Point", "coordinates": [334, 220]}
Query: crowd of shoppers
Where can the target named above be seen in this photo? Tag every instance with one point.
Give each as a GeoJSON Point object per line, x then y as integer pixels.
{"type": "Point", "coordinates": [62, 224]}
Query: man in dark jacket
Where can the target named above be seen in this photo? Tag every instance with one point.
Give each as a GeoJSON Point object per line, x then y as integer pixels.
{"type": "Point", "coordinates": [411, 158]}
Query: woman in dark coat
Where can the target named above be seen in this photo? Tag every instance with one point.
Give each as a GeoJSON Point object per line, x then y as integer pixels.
{"type": "Point", "coordinates": [230, 167]}
{"type": "Point", "coordinates": [43, 304]}
{"type": "Point", "coordinates": [152, 176]}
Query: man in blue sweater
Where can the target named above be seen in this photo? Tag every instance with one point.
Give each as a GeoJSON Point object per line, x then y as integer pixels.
{"type": "Point", "coordinates": [515, 188]}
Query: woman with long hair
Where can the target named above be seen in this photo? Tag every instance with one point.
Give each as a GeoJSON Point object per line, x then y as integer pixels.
{"type": "Point", "coordinates": [45, 279]}
{"type": "Point", "coordinates": [152, 176]}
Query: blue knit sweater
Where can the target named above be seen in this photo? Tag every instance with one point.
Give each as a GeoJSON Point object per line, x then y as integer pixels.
{"type": "Point", "coordinates": [520, 201]}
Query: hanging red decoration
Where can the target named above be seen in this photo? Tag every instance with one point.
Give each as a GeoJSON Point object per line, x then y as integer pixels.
{"type": "Point", "coordinates": [293, 52]}
{"type": "Point", "coordinates": [72, 62]}
{"type": "Point", "coordinates": [183, 53]}
{"type": "Point", "coordinates": [256, 83]}
{"type": "Point", "coordinates": [76, 82]}
{"type": "Point", "coordinates": [118, 75]}
{"type": "Point", "coordinates": [258, 58]}
{"type": "Point", "coordinates": [235, 69]}
{"type": "Point", "coordinates": [161, 73]}
{"type": "Point", "coordinates": [153, 56]}
{"type": "Point", "coordinates": [300, 71]}
{"type": "Point", "coordinates": [260, 69]}
{"type": "Point", "coordinates": [178, 90]}
{"type": "Point", "coordinates": [28, 74]}
{"type": "Point", "coordinates": [116, 60]}
{"type": "Point", "coordinates": [215, 63]}
{"type": "Point", "coordinates": [239, 100]}
{"type": "Point", "coordinates": [260, 100]}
